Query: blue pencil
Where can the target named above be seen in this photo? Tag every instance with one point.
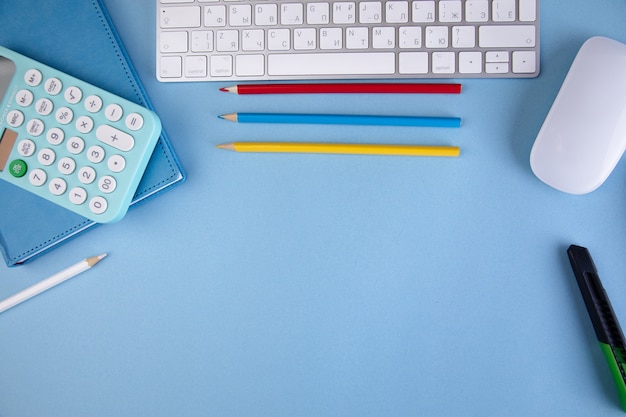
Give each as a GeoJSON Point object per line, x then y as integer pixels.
{"type": "Point", "coordinates": [343, 119]}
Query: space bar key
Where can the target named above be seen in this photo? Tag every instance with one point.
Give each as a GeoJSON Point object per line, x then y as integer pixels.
{"type": "Point", "coordinates": [357, 63]}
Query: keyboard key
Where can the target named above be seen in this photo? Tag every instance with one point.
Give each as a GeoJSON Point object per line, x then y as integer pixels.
{"type": "Point", "coordinates": [240, 15]}
{"type": "Point", "coordinates": [195, 66]}
{"type": "Point", "coordinates": [470, 62]}
{"type": "Point", "coordinates": [180, 17]}
{"type": "Point", "coordinates": [344, 12]}
{"type": "Point", "coordinates": [250, 65]}
{"type": "Point", "coordinates": [477, 10]}
{"type": "Point", "coordinates": [332, 63]}
{"type": "Point", "coordinates": [414, 63]}
{"type": "Point", "coordinates": [450, 11]}
{"type": "Point", "coordinates": [527, 10]}
{"type": "Point", "coordinates": [436, 37]}
{"type": "Point", "coordinates": [423, 11]}
{"type": "Point", "coordinates": [503, 10]}
{"type": "Point", "coordinates": [397, 12]}
{"type": "Point", "coordinates": [171, 67]}
{"type": "Point", "coordinates": [519, 36]}
{"type": "Point", "coordinates": [221, 66]}
{"type": "Point", "coordinates": [524, 62]}
{"type": "Point", "coordinates": [444, 62]}
{"type": "Point", "coordinates": [173, 42]}
{"type": "Point", "coordinates": [370, 12]}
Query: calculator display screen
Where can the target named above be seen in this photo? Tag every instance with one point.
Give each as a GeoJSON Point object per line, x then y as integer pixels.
{"type": "Point", "coordinates": [7, 140]}
{"type": "Point", "coordinates": [7, 69]}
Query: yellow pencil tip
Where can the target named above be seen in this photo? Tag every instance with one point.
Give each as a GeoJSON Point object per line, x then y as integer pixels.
{"type": "Point", "coordinates": [227, 146]}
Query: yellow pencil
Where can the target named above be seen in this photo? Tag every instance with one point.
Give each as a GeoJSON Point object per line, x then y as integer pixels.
{"type": "Point", "coordinates": [342, 148]}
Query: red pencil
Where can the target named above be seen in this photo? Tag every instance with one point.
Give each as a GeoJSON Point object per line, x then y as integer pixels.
{"type": "Point", "coordinates": [402, 88]}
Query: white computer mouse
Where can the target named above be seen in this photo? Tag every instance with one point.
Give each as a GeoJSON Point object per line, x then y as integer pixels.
{"type": "Point", "coordinates": [584, 134]}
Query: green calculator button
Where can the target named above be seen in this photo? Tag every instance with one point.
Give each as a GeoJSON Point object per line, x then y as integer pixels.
{"type": "Point", "coordinates": [18, 168]}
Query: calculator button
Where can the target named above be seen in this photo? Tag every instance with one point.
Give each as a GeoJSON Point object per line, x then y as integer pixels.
{"type": "Point", "coordinates": [134, 121]}
{"type": "Point", "coordinates": [55, 136]}
{"type": "Point", "coordinates": [35, 127]}
{"type": "Point", "coordinates": [66, 166]}
{"type": "Point", "coordinates": [46, 157]}
{"type": "Point", "coordinates": [86, 175]}
{"type": "Point", "coordinates": [98, 205]}
{"type": "Point", "coordinates": [15, 118]}
{"type": "Point", "coordinates": [107, 184]}
{"type": "Point", "coordinates": [64, 115]}
{"type": "Point", "coordinates": [84, 124]}
{"type": "Point", "coordinates": [44, 106]}
{"type": "Point", "coordinates": [33, 77]}
{"type": "Point", "coordinates": [75, 145]}
{"type": "Point", "coordinates": [37, 177]}
{"type": "Point", "coordinates": [116, 163]}
{"type": "Point", "coordinates": [113, 112]}
{"type": "Point", "coordinates": [78, 195]}
{"type": "Point", "coordinates": [95, 154]}
{"type": "Point", "coordinates": [53, 86]}
{"type": "Point", "coordinates": [73, 95]}
{"type": "Point", "coordinates": [24, 98]}
{"type": "Point", "coordinates": [26, 147]}
{"type": "Point", "coordinates": [18, 168]}
{"type": "Point", "coordinates": [57, 186]}
{"type": "Point", "coordinates": [115, 137]}
{"type": "Point", "coordinates": [93, 104]}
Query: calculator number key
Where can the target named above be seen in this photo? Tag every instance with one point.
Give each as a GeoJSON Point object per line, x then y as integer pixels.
{"type": "Point", "coordinates": [75, 145]}
{"type": "Point", "coordinates": [37, 177]}
{"type": "Point", "coordinates": [98, 205]}
{"type": "Point", "coordinates": [95, 154]}
{"type": "Point", "coordinates": [46, 157]}
{"type": "Point", "coordinates": [78, 195]}
{"type": "Point", "coordinates": [57, 186]}
{"type": "Point", "coordinates": [86, 175]}
{"type": "Point", "coordinates": [66, 166]}
{"type": "Point", "coordinates": [107, 184]}
{"type": "Point", "coordinates": [55, 136]}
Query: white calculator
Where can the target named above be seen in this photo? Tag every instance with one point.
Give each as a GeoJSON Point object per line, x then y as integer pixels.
{"type": "Point", "coordinates": [70, 142]}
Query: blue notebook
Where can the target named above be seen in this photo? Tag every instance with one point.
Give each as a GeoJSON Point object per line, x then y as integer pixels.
{"type": "Point", "coordinates": [77, 37]}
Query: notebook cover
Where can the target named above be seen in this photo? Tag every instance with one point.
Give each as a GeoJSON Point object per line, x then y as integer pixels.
{"type": "Point", "coordinates": [76, 37]}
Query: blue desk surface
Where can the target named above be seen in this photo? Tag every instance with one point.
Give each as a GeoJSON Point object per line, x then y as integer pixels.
{"type": "Point", "coordinates": [309, 285]}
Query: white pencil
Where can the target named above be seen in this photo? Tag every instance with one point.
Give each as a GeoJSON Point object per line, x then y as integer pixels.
{"type": "Point", "coordinates": [49, 282]}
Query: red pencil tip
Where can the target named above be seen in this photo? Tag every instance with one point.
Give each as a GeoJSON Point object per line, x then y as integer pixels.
{"type": "Point", "coordinates": [224, 89]}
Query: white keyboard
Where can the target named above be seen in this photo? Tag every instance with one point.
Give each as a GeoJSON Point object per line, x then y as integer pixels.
{"type": "Point", "coordinates": [219, 40]}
